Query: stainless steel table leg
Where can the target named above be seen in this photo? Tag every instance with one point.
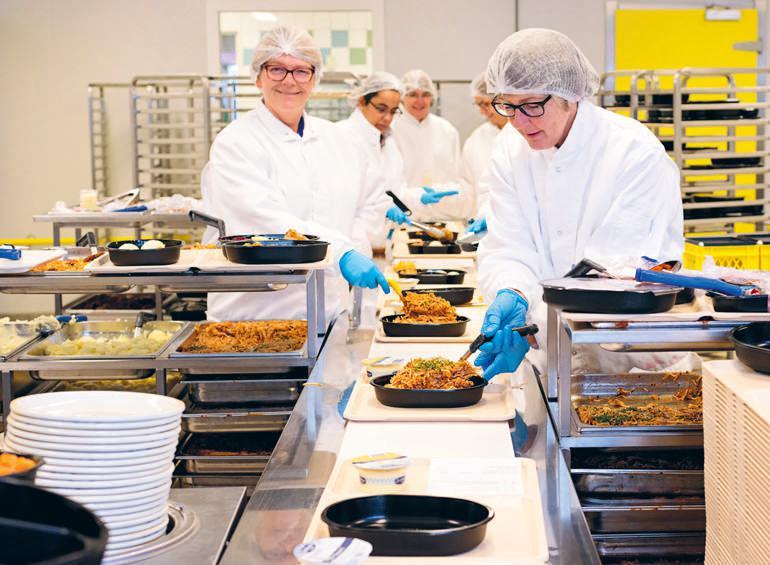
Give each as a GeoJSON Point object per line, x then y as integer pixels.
{"type": "Point", "coordinates": [564, 377]}
{"type": "Point", "coordinates": [5, 386]}
{"type": "Point", "coordinates": [58, 304]}
{"type": "Point", "coordinates": [552, 359]}
{"type": "Point", "coordinates": [160, 382]}
{"type": "Point", "coordinates": [321, 302]}
{"type": "Point", "coordinates": [158, 304]}
{"type": "Point", "coordinates": [78, 233]}
{"type": "Point", "coordinates": [56, 234]}
{"type": "Point", "coordinates": [312, 314]}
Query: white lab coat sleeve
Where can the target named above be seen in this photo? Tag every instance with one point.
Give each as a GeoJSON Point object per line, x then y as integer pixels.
{"type": "Point", "coordinates": [508, 254]}
{"type": "Point", "coordinates": [645, 217]}
{"type": "Point", "coordinates": [237, 187]}
{"type": "Point", "coordinates": [369, 223]}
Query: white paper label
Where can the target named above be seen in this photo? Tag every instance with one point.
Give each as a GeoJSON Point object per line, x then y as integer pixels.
{"type": "Point", "coordinates": [500, 476]}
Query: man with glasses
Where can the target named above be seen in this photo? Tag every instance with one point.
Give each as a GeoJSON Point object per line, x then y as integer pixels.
{"type": "Point", "coordinates": [430, 147]}
{"type": "Point", "coordinates": [567, 181]}
{"type": "Point", "coordinates": [477, 149]}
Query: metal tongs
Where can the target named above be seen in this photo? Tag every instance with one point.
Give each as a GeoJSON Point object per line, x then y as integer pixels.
{"type": "Point", "coordinates": [523, 331]}
{"type": "Point", "coordinates": [216, 223]}
{"type": "Point", "coordinates": [434, 232]}
{"type": "Point", "coordinates": [89, 240]}
{"type": "Point", "coordinates": [132, 197]}
{"type": "Point", "coordinates": [141, 318]}
{"type": "Point", "coordinates": [9, 251]}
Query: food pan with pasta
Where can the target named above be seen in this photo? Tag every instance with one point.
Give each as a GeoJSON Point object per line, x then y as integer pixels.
{"type": "Point", "coordinates": [244, 338]}
{"type": "Point", "coordinates": [425, 315]}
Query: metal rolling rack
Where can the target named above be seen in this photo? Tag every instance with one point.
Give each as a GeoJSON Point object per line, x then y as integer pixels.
{"type": "Point", "coordinates": [707, 190]}
{"type": "Point", "coordinates": [676, 524]}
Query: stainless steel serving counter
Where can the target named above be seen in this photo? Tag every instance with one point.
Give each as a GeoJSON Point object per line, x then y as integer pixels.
{"type": "Point", "coordinates": [279, 512]}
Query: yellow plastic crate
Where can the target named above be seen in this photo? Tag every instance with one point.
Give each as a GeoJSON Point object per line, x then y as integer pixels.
{"type": "Point", "coordinates": [726, 251]}
{"type": "Point", "coordinates": [763, 239]}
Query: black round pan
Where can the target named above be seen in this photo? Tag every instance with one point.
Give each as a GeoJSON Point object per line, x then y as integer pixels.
{"type": "Point", "coordinates": [449, 329]}
{"type": "Point", "coordinates": [285, 251]}
{"type": "Point", "coordinates": [456, 296]}
{"type": "Point", "coordinates": [425, 237]}
{"type": "Point", "coordinates": [752, 345]}
{"type": "Point", "coordinates": [272, 236]}
{"type": "Point", "coordinates": [139, 257]}
{"type": "Point", "coordinates": [438, 276]}
{"type": "Point", "coordinates": [751, 303]}
{"type": "Point", "coordinates": [427, 398]}
{"type": "Point", "coordinates": [39, 526]}
{"type": "Point", "coordinates": [407, 525]}
{"type": "Point", "coordinates": [685, 296]}
{"type": "Point", "coordinates": [602, 301]}
{"type": "Point", "coordinates": [422, 248]}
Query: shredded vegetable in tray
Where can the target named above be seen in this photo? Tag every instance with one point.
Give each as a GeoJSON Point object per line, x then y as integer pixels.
{"type": "Point", "coordinates": [264, 336]}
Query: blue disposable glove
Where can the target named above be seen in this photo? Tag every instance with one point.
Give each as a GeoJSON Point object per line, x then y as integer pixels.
{"type": "Point", "coordinates": [512, 347]}
{"type": "Point", "coordinates": [478, 226]}
{"type": "Point", "coordinates": [431, 196]}
{"type": "Point", "coordinates": [359, 270]}
{"type": "Point", "coordinates": [507, 311]}
{"type": "Point", "coordinates": [396, 214]}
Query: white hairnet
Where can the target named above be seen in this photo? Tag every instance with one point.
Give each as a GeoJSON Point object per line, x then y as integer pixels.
{"type": "Point", "coordinates": [287, 40]}
{"type": "Point", "coordinates": [541, 61]}
{"type": "Point", "coordinates": [417, 79]}
{"type": "Point", "coordinates": [375, 82]}
{"type": "Point", "coordinates": [479, 86]}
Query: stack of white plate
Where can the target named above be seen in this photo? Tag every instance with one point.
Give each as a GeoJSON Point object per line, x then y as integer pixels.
{"type": "Point", "coordinates": [111, 451]}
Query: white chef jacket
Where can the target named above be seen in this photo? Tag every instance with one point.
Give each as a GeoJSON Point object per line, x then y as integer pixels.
{"type": "Point", "coordinates": [477, 152]}
{"type": "Point", "coordinates": [262, 177]}
{"type": "Point", "coordinates": [609, 191]}
{"type": "Point", "coordinates": [385, 166]}
{"type": "Point", "coordinates": [431, 153]}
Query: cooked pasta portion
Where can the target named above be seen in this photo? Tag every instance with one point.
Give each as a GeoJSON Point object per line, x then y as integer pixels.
{"type": "Point", "coordinates": [434, 373]}
{"type": "Point", "coordinates": [426, 308]}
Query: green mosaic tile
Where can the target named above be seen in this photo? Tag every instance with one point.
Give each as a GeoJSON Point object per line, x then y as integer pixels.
{"type": "Point", "coordinates": [357, 55]}
{"type": "Point", "coordinates": [369, 38]}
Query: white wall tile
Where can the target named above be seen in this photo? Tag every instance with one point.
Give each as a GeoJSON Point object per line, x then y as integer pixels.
{"type": "Point", "coordinates": [357, 38]}
{"type": "Point", "coordinates": [323, 37]}
{"type": "Point", "coordinates": [340, 20]}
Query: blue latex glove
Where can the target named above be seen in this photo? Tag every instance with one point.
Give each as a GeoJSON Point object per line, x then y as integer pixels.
{"type": "Point", "coordinates": [395, 214]}
{"type": "Point", "coordinates": [506, 350]}
{"type": "Point", "coordinates": [431, 196]}
{"type": "Point", "coordinates": [512, 347]}
{"type": "Point", "coordinates": [478, 226]}
{"type": "Point", "coordinates": [359, 270]}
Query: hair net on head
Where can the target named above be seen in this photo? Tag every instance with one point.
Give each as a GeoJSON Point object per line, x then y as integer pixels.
{"type": "Point", "coordinates": [287, 40]}
{"type": "Point", "coordinates": [375, 82]}
{"type": "Point", "coordinates": [417, 79]}
{"type": "Point", "coordinates": [479, 86]}
{"type": "Point", "coordinates": [541, 61]}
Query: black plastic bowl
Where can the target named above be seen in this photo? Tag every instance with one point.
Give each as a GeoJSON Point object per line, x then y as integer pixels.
{"type": "Point", "coordinates": [425, 237]}
{"type": "Point", "coordinates": [404, 525]}
{"type": "Point", "coordinates": [139, 257]}
{"type": "Point", "coordinates": [284, 251]}
{"type": "Point", "coordinates": [456, 296]}
{"type": "Point", "coordinates": [438, 276]}
{"type": "Point", "coordinates": [427, 398]}
{"type": "Point", "coordinates": [449, 329]}
{"type": "Point", "coordinates": [38, 526]}
{"type": "Point", "coordinates": [752, 345]}
{"type": "Point", "coordinates": [421, 248]}
{"type": "Point", "coordinates": [26, 476]}
{"type": "Point", "coordinates": [749, 303]}
{"type": "Point", "coordinates": [272, 236]}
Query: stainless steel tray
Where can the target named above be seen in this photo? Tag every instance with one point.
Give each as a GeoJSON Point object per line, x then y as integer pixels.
{"type": "Point", "coordinates": [24, 330]}
{"type": "Point", "coordinates": [643, 519]}
{"type": "Point", "coordinates": [180, 340]}
{"type": "Point", "coordinates": [585, 387]}
{"type": "Point", "coordinates": [638, 482]}
{"type": "Point", "coordinates": [214, 480]}
{"type": "Point", "coordinates": [268, 391]}
{"type": "Point", "coordinates": [635, 546]}
{"type": "Point", "coordinates": [231, 464]}
{"type": "Point", "coordinates": [95, 329]}
{"type": "Point", "coordinates": [227, 419]}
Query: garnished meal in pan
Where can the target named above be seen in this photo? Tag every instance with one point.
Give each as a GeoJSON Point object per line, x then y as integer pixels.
{"type": "Point", "coordinates": [426, 309]}
{"type": "Point", "coordinates": [434, 373]}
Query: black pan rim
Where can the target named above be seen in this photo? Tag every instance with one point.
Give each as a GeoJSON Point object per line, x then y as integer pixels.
{"type": "Point", "coordinates": [738, 341]}
{"type": "Point", "coordinates": [488, 518]}
{"type": "Point", "coordinates": [439, 289]}
{"type": "Point", "coordinates": [168, 244]}
{"type": "Point", "coordinates": [426, 390]}
{"type": "Point", "coordinates": [390, 317]}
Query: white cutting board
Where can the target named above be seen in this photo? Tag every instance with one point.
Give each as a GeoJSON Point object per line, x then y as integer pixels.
{"type": "Point", "coordinates": [30, 258]}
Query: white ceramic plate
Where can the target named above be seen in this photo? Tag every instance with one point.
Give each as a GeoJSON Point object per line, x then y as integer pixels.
{"type": "Point", "coordinates": [108, 465]}
{"type": "Point", "coordinates": [105, 482]}
{"type": "Point", "coordinates": [44, 427]}
{"type": "Point", "coordinates": [97, 406]}
{"type": "Point", "coordinates": [137, 488]}
{"type": "Point", "coordinates": [107, 510]}
{"type": "Point", "coordinates": [64, 473]}
{"type": "Point", "coordinates": [134, 518]}
{"type": "Point", "coordinates": [138, 531]}
{"type": "Point", "coordinates": [135, 542]}
{"type": "Point", "coordinates": [96, 426]}
{"type": "Point", "coordinates": [130, 442]}
{"type": "Point", "coordinates": [130, 497]}
{"type": "Point", "coordinates": [58, 455]}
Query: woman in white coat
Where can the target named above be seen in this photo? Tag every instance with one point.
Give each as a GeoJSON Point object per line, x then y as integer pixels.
{"type": "Point", "coordinates": [567, 181]}
{"type": "Point", "coordinates": [377, 99]}
{"type": "Point", "coordinates": [477, 149]}
{"type": "Point", "coordinates": [278, 168]}
{"type": "Point", "coordinates": [430, 147]}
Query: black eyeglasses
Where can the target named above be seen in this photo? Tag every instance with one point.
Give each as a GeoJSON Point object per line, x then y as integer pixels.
{"type": "Point", "coordinates": [529, 109]}
{"type": "Point", "coordinates": [382, 109]}
{"type": "Point", "coordinates": [300, 75]}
